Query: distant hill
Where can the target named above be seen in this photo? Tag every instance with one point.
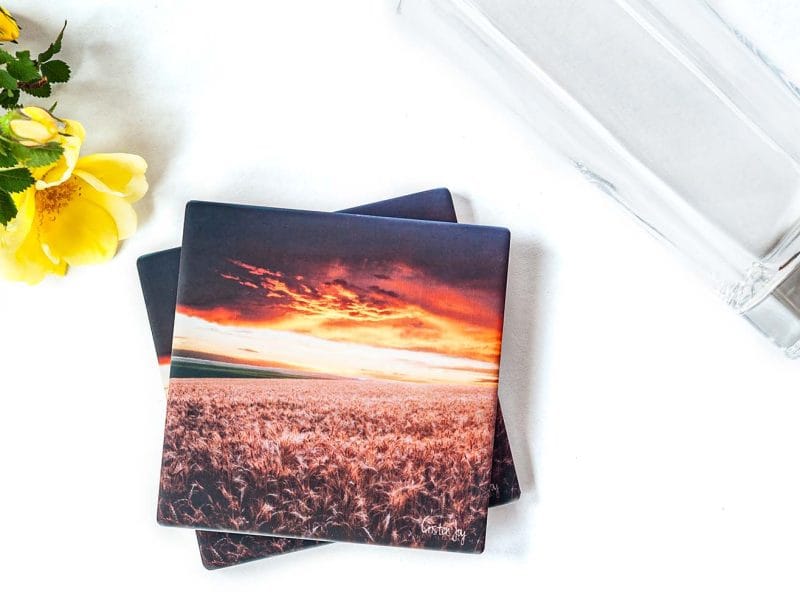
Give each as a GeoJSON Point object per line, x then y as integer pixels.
{"type": "Point", "coordinates": [185, 367]}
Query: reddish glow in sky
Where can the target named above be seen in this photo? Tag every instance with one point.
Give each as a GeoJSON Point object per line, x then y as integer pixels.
{"type": "Point", "coordinates": [385, 321]}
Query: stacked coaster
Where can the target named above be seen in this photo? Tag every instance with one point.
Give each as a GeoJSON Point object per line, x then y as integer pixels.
{"type": "Point", "coordinates": [331, 377]}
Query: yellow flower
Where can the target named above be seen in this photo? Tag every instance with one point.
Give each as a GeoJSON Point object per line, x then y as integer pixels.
{"type": "Point", "coordinates": [34, 126]}
{"type": "Point", "coordinates": [9, 30]}
{"type": "Point", "coordinates": [76, 214]}
{"type": "Point", "coordinates": [71, 138]}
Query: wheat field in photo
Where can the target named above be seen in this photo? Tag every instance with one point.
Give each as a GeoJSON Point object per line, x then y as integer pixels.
{"type": "Point", "coordinates": [362, 461]}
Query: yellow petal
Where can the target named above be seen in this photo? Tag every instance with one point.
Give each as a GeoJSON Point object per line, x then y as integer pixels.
{"type": "Point", "coordinates": [20, 226]}
{"type": "Point", "coordinates": [119, 209]}
{"type": "Point", "coordinates": [9, 30]}
{"type": "Point", "coordinates": [61, 170]}
{"type": "Point", "coordinates": [33, 264]}
{"type": "Point", "coordinates": [81, 233]}
{"type": "Point", "coordinates": [119, 174]}
{"type": "Point", "coordinates": [35, 125]}
{"type": "Point", "coordinates": [123, 214]}
{"type": "Point", "coordinates": [74, 129]}
{"type": "Point", "coordinates": [21, 254]}
{"type": "Point", "coordinates": [20, 198]}
{"type": "Point", "coordinates": [37, 114]}
{"type": "Point", "coordinates": [31, 131]}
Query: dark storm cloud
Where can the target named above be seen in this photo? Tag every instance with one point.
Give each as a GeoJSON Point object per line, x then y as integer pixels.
{"type": "Point", "coordinates": [296, 242]}
{"type": "Point", "coordinates": [383, 292]}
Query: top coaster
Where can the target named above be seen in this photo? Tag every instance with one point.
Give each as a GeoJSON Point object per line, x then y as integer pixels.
{"type": "Point", "coordinates": [334, 377]}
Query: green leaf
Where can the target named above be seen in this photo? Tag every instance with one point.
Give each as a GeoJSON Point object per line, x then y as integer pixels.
{"type": "Point", "coordinates": [7, 81]}
{"type": "Point", "coordinates": [37, 156]}
{"type": "Point", "coordinates": [42, 91]}
{"type": "Point", "coordinates": [56, 71]}
{"type": "Point", "coordinates": [9, 99]}
{"type": "Point", "coordinates": [22, 68]}
{"type": "Point", "coordinates": [5, 57]}
{"type": "Point", "coordinates": [8, 210]}
{"type": "Point", "coordinates": [54, 48]}
{"type": "Point", "coordinates": [7, 158]}
{"type": "Point", "coordinates": [15, 180]}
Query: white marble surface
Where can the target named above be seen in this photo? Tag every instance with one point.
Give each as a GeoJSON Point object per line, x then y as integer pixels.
{"type": "Point", "coordinates": [655, 432]}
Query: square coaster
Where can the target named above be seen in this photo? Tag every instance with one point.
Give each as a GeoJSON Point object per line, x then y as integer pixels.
{"type": "Point", "coordinates": [158, 271]}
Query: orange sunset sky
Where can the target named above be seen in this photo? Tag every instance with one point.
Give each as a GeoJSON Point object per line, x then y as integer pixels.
{"type": "Point", "coordinates": [385, 320]}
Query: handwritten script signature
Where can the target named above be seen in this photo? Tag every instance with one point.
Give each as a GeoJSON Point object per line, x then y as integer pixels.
{"type": "Point", "coordinates": [448, 532]}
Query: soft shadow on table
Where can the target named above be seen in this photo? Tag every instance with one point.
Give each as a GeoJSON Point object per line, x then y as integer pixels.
{"type": "Point", "coordinates": [521, 366]}
{"type": "Point", "coordinates": [110, 94]}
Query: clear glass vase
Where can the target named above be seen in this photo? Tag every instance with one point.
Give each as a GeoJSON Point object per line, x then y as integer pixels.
{"type": "Point", "coordinates": [674, 114]}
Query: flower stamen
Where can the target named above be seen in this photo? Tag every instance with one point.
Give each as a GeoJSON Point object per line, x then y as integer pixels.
{"type": "Point", "coordinates": [50, 201]}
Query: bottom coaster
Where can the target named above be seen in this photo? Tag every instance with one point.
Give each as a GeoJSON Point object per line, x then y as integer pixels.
{"type": "Point", "coordinates": [158, 273]}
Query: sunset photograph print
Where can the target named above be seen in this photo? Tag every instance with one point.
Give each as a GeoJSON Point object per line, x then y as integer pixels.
{"type": "Point", "coordinates": [334, 377]}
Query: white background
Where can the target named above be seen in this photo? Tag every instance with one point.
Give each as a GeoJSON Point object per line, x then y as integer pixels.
{"type": "Point", "coordinates": [655, 432]}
